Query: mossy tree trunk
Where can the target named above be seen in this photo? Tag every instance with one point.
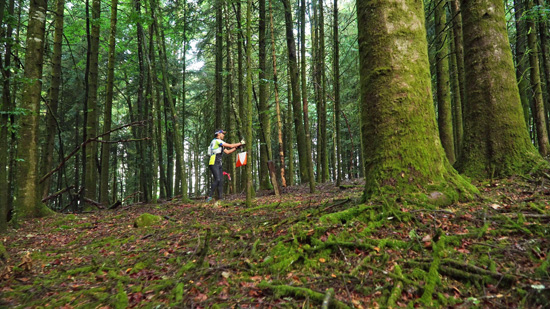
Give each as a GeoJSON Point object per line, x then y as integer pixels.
{"type": "Point", "coordinates": [248, 121]}
{"type": "Point", "coordinates": [90, 179]}
{"type": "Point", "coordinates": [458, 51]}
{"type": "Point", "coordinates": [496, 143]}
{"type": "Point", "coordinates": [5, 107]}
{"type": "Point", "coordinates": [401, 149]}
{"type": "Point", "coordinates": [336, 81]}
{"type": "Point", "coordinates": [521, 58]}
{"type": "Point", "coordinates": [107, 113]}
{"type": "Point", "coordinates": [545, 54]}
{"type": "Point", "coordinates": [536, 87]}
{"type": "Point", "coordinates": [265, 116]}
{"type": "Point", "coordinates": [444, 112]}
{"type": "Point", "coordinates": [277, 103]}
{"type": "Point", "coordinates": [27, 199]}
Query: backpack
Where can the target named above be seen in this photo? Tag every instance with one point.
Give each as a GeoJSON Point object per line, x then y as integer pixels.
{"type": "Point", "coordinates": [211, 151]}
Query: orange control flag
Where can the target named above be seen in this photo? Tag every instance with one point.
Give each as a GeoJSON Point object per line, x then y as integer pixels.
{"type": "Point", "coordinates": [241, 159]}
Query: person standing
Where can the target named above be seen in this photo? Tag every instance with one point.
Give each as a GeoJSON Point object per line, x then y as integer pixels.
{"type": "Point", "coordinates": [216, 150]}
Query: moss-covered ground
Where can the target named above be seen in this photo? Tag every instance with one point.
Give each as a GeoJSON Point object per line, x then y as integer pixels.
{"type": "Point", "coordinates": [303, 250]}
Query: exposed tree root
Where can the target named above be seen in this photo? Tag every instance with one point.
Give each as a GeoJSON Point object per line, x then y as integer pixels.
{"type": "Point", "coordinates": [286, 290]}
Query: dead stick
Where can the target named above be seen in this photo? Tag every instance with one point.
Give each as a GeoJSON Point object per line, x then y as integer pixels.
{"type": "Point", "coordinates": [135, 123]}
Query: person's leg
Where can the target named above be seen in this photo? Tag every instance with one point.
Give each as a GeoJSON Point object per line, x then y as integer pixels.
{"type": "Point", "coordinates": [214, 185]}
{"type": "Point", "coordinates": [220, 183]}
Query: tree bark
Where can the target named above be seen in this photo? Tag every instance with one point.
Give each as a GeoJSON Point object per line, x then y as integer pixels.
{"type": "Point", "coordinates": [6, 107]}
{"type": "Point", "coordinates": [444, 112]}
{"type": "Point", "coordinates": [536, 88]}
{"type": "Point", "coordinates": [219, 67]}
{"type": "Point", "coordinates": [277, 103]}
{"type": "Point", "coordinates": [521, 58]}
{"type": "Point", "coordinates": [90, 180]}
{"type": "Point", "coordinates": [27, 199]}
{"type": "Point", "coordinates": [163, 64]}
{"type": "Point", "coordinates": [336, 81]}
{"type": "Point", "coordinates": [107, 113]}
{"type": "Point", "coordinates": [496, 143]}
{"type": "Point", "coordinates": [401, 150]}
{"type": "Point", "coordinates": [248, 121]}
{"type": "Point", "coordinates": [323, 140]}
{"type": "Point", "coordinates": [265, 117]}
{"type": "Point", "coordinates": [304, 157]}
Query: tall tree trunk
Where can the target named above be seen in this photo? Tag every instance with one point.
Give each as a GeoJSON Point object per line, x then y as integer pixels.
{"type": "Point", "coordinates": [53, 100]}
{"type": "Point", "coordinates": [545, 53]}
{"type": "Point", "coordinates": [402, 151]}
{"type": "Point", "coordinates": [336, 81]}
{"type": "Point", "coordinates": [232, 112]}
{"type": "Point", "coordinates": [458, 79]}
{"type": "Point", "coordinates": [265, 117]}
{"type": "Point", "coordinates": [521, 58]}
{"type": "Point", "coordinates": [458, 128]}
{"type": "Point", "coordinates": [277, 103]}
{"type": "Point", "coordinates": [444, 119]}
{"type": "Point", "coordinates": [107, 113]}
{"type": "Point", "coordinates": [240, 84]}
{"type": "Point", "coordinates": [323, 140]}
{"type": "Point", "coordinates": [27, 199]}
{"type": "Point", "coordinates": [5, 107]}
{"type": "Point", "coordinates": [289, 138]}
{"type": "Point", "coordinates": [157, 114]}
{"type": "Point", "coordinates": [248, 121]}
{"type": "Point", "coordinates": [539, 113]}
{"type": "Point", "coordinates": [163, 64]}
{"type": "Point", "coordinates": [90, 184]}
{"type": "Point", "coordinates": [304, 157]}
{"type": "Point", "coordinates": [219, 66]}
{"type": "Point", "coordinates": [305, 103]}
{"type": "Point", "coordinates": [496, 143]}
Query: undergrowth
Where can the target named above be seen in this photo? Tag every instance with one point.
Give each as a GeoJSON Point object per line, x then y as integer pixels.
{"type": "Point", "coordinates": [301, 250]}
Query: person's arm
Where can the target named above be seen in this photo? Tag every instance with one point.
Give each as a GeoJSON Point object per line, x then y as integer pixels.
{"type": "Point", "coordinates": [228, 151]}
{"type": "Point", "coordinates": [227, 145]}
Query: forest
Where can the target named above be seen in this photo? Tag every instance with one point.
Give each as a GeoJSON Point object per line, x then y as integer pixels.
{"type": "Point", "coordinates": [396, 153]}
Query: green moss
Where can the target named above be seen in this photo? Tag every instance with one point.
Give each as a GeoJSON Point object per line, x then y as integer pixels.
{"type": "Point", "coordinates": [3, 253]}
{"type": "Point", "coordinates": [121, 297]}
{"type": "Point", "coordinates": [147, 219]}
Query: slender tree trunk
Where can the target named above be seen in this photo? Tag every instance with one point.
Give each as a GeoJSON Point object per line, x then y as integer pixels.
{"type": "Point", "coordinates": [219, 66]}
{"type": "Point", "coordinates": [232, 112]}
{"type": "Point", "coordinates": [289, 138]}
{"type": "Point", "coordinates": [265, 117]}
{"type": "Point", "coordinates": [545, 53]}
{"type": "Point", "coordinates": [5, 107]}
{"type": "Point", "coordinates": [90, 184]}
{"type": "Point", "coordinates": [240, 85]}
{"type": "Point", "coordinates": [277, 103]}
{"type": "Point", "coordinates": [323, 139]}
{"type": "Point", "coordinates": [53, 100]}
{"type": "Point", "coordinates": [248, 122]}
{"type": "Point", "coordinates": [402, 151]}
{"type": "Point", "coordinates": [27, 200]}
{"type": "Point", "coordinates": [305, 103]}
{"type": "Point", "coordinates": [539, 113]}
{"type": "Point", "coordinates": [336, 77]}
{"type": "Point", "coordinates": [304, 157]}
{"type": "Point", "coordinates": [521, 58]}
{"type": "Point", "coordinates": [444, 119]}
{"type": "Point", "coordinates": [107, 113]}
{"type": "Point", "coordinates": [496, 143]}
{"type": "Point", "coordinates": [163, 63]}
{"type": "Point", "coordinates": [157, 114]}
{"type": "Point", "coordinates": [458, 128]}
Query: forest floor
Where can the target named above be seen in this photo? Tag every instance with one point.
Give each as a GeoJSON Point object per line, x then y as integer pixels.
{"type": "Point", "coordinates": [296, 251]}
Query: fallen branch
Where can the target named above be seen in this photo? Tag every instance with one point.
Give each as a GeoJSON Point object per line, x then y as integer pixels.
{"type": "Point", "coordinates": [328, 298]}
{"type": "Point", "coordinates": [94, 203]}
{"type": "Point", "coordinates": [135, 123]}
{"type": "Point", "coordinates": [56, 194]}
